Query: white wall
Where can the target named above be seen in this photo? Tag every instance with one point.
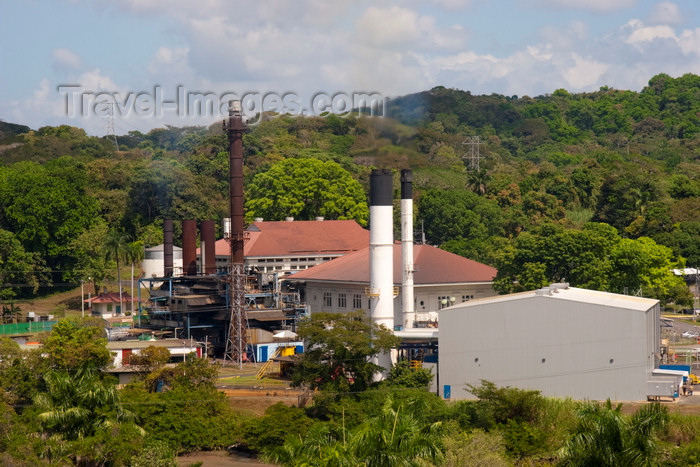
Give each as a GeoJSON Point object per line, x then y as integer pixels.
{"type": "Point", "coordinates": [562, 348]}
{"type": "Point", "coordinates": [426, 297]}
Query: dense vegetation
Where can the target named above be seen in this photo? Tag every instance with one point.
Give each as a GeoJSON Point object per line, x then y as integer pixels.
{"type": "Point", "coordinates": [554, 167]}
{"type": "Point", "coordinates": [60, 407]}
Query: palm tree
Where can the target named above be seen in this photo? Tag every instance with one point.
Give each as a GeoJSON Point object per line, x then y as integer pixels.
{"type": "Point", "coordinates": [116, 249]}
{"type": "Point", "coordinates": [77, 406]}
{"type": "Point", "coordinates": [477, 180]}
{"type": "Point", "coordinates": [605, 437]}
{"type": "Point", "coordinates": [396, 437]}
{"type": "Point", "coordinates": [134, 254]}
{"type": "Point", "coordinates": [321, 446]}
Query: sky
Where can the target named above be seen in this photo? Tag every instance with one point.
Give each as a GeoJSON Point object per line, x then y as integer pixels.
{"type": "Point", "coordinates": [179, 62]}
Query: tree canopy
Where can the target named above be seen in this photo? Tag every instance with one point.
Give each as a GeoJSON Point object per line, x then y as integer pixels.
{"type": "Point", "coordinates": [304, 189]}
{"type": "Point", "coordinates": [338, 351]}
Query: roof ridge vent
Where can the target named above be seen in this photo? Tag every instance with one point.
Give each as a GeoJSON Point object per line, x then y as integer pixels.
{"type": "Point", "coordinates": [554, 288]}
{"type": "Point", "coordinates": [543, 291]}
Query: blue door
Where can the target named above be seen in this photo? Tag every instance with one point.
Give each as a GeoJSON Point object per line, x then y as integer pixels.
{"type": "Point", "coordinates": [263, 353]}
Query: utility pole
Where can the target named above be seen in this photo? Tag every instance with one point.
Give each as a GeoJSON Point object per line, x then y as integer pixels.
{"type": "Point", "coordinates": [236, 341]}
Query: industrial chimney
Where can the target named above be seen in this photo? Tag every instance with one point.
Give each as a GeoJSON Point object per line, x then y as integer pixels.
{"type": "Point", "coordinates": [407, 300]}
{"type": "Point", "coordinates": [381, 248]}
{"type": "Point", "coordinates": [189, 247]}
{"type": "Point", "coordinates": [167, 247]}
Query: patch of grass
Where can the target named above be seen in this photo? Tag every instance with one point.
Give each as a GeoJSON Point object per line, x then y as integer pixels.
{"type": "Point", "coordinates": [246, 381]}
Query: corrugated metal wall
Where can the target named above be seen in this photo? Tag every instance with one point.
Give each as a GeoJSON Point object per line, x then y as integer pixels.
{"type": "Point", "coordinates": [562, 348]}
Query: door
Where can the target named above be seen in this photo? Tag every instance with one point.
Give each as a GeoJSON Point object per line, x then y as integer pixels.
{"type": "Point", "coordinates": [126, 357]}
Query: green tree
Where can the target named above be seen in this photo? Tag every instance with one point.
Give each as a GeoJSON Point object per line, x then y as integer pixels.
{"type": "Point", "coordinates": [304, 189]}
{"type": "Point", "coordinates": [606, 437]}
{"type": "Point", "coordinates": [393, 437]}
{"type": "Point", "coordinates": [73, 344]}
{"type": "Point", "coordinates": [151, 359]}
{"type": "Point", "coordinates": [91, 263]}
{"type": "Point", "coordinates": [551, 253]}
{"type": "Point", "coordinates": [270, 430]}
{"type": "Point", "coordinates": [20, 372]}
{"type": "Point", "coordinates": [77, 405]}
{"type": "Point", "coordinates": [47, 207]}
{"type": "Point", "coordinates": [402, 375]}
{"type": "Point", "coordinates": [644, 265]}
{"type": "Point", "coordinates": [338, 351]}
{"type": "Point", "coordinates": [396, 437]}
{"type": "Point", "coordinates": [185, 418]}
{"type": "Point", "coordinates": [454, 214]}
{"type": "Point", "coordinates": [21, 272]}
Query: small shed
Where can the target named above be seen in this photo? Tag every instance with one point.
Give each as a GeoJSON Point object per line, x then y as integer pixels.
{"type": "Point", "coordinates": [109, 304]}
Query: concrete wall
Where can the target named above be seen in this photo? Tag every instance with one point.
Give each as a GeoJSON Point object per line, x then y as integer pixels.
{"type": "Point", "coordinates": [427, 298]}
{"type": "Point", "coordinates": [560, 347]}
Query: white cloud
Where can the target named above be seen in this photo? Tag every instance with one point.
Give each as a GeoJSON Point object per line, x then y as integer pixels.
{"type": "Point", "coordinates": [689, 42]}
{"type": "Point", "coordinates": [665, 13]}
{"type": "Point", "coordinates": [584, 74]}
{"type": "Point", "coordinates": [650, 33]}
{"type": "Point", "coordinates": [396, 28]}
{"type": "Point", "coordinates": [453, 5]}
{"type": "Point", "coordinates": [595, 6]}
{"type": "Point", "coordinates": [65, 60]}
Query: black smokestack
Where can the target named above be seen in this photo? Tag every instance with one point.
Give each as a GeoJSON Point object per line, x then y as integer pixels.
{"type": "Point", "coordinates": [380, 188]}
{"type": "Point", "coordinates": [406, 184]}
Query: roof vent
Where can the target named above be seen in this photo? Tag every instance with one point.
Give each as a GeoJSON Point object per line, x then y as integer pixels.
{"type": "Point", "coordinates": [543, 291]}
{"type": "Point", "coordinates": [289, 219]}
{"type": "Point", "coordinates": [258, 219]}
{"type": "Point", "coordinates": [319, 218]}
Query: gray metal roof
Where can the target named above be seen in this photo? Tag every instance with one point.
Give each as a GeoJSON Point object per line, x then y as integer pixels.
{"type": "Point", "coordinates": [571, 294]}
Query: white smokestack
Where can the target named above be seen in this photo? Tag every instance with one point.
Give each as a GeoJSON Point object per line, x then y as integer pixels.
{"type": "Point", "coordinates": [407, 300]}
{"type": "Point", "coordinates": [381, 248]}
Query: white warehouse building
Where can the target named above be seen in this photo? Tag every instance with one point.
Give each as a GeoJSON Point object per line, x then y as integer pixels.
{"type": "Point", "coordinates": [560, 340]}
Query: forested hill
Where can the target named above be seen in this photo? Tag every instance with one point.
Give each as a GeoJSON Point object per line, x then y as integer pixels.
{"type": "Point", "coordinates": [601, 189]}
{"type": "Point", "coordinates": [667, 107]}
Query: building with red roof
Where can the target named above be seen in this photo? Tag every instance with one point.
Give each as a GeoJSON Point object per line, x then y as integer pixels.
{"type": "Point", "coordinates": [284, 247]}
{"type": "Point", "coordinates": [108, 304]}
{"type": "Point", "coordinates": [440, 279]}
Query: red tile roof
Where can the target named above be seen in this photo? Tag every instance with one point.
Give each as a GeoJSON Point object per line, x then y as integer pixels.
{"type": "Point", "coordinates": [433, 266]}
{"type": "Point", "coordinates": [110, 297]}
{"type": "Point", "coordinates": [296, 238]}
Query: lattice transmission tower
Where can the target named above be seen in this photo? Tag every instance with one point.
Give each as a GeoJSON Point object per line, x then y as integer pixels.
{"type": "Point", "coordinates": [473, 155]}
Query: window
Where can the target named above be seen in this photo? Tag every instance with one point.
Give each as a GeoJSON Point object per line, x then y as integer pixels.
{"type": "Point", "coordinates": [357, 301]}
{"type": "Point", "coordinates": [327, 299]}
{"type": "Point", "coordinates": [466, 298]}
{"type": "Point", "coordinates": [445, 301]}
{"type": "Point", "coordinates": [342, 300]}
